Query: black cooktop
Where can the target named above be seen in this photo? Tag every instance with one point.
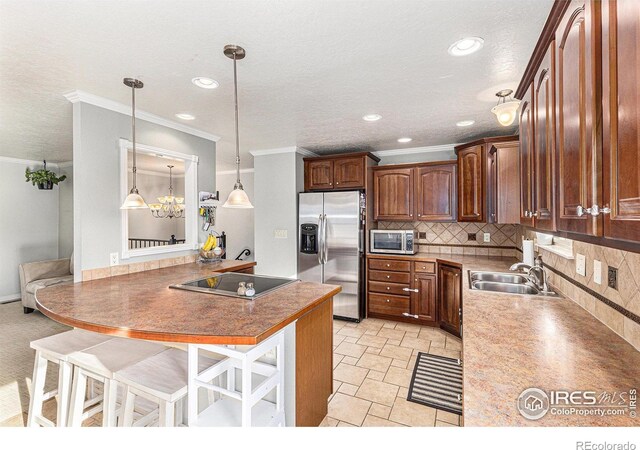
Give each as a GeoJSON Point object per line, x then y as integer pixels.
{"type": "Point", "coordinates": [227, 284]}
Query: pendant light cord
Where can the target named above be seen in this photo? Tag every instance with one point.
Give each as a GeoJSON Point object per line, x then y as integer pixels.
{"type": "Point", "coordinates": [133, 129]}
{"type": "Point", "coordinates": [235, 92]}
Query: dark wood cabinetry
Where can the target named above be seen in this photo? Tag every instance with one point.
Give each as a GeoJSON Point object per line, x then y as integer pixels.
{"type": "Point", "coordinates": [337, 172]}
{"type": "Point", "coordinates": [450, 298]}
{"type": "Point", "coordinates": [406, 289]}
{"type": "Point", "coordinates": [471, 195]}
{"type": "Point", "coordinates": [621, 117]}
{"type": "Point", "coordinates": [436, 198]}
{"type": "Point", "coordinates": [393, 193]}
{"type": "Point", "coordinates": [526, 158]}
{"type": "Point", "coordinates": [577, 106]}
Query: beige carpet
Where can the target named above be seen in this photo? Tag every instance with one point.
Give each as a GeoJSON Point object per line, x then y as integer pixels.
{"type": "Point", "coordinates": [16, 359]}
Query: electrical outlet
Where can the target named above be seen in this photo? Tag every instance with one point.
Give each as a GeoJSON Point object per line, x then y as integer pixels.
{"type": "Point", "coordinates": [113, 259]}
{"type": "Point", "coordinates": [597, 272]}
{"type": "Point", "coordinates": [280, 234]}
{"type": "Point", "coordinates": [612, 278]}
{"type": "Point", "coordinates": [581, 265]}
{"type": "Point", "coordinates": [471, 236]}
{"type": "Point", "coordinates": [487, 237]}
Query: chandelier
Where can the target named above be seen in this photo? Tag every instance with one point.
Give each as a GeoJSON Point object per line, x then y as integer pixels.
{"type": "Point", "coordinates": [169, 206]}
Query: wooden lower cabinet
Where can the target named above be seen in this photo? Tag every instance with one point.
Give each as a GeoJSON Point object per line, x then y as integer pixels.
{"type": "Point", "coordinates": [450, 298]}
{"type": "Point", "coordinates": [406, 289]}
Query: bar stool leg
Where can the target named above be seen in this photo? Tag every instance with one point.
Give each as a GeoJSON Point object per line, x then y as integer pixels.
{"type": "Point", "coordinates": [64, 392]}
{"type": "Point", "coordinates": [37, 389]}
{"type": "Point", "coordinates": [109, 406]}
{"type": "Point", "coordinates": [167, 414]}
{"type": "Point", "coordinates": [127, 409]}
{"type": "Point", "coordinates": [279, 387]}
{"type": "Point", "coordinates": [246, 392]}
{"type": "Point", "coordinates": [77, 397]}
{"type": "Point", "coordinates": [192, 387]}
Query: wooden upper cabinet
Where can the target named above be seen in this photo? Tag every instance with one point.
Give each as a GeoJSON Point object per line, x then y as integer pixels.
{"type": "Point", "coordinates": [450, 298]}
{"type": "Point", "coordinates": [544, 143]}
{"type": "Point", "coordinates": [577, 106]}
{"type": "Point", "coordinates": [319, 174]}
{"type": "Point", "coordinates": [526, 158]}
{"type": "Point", "coordinates": [393, 194]}
{"type": "Point", "coordinates": [621, 116]}
{"type": "Point", "coordinates": [503, 182]}
{"type": "Point", "coordinates": [436, 199]}
{"type": "Point", "coordinates": [349, 173]}
{"type": "Point", "coordinates": [471, 193]}
{"type": "Point", "coordinates": [423, 302]}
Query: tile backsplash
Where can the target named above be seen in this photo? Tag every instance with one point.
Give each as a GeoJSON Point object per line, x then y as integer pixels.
{"type": "Point", "coordinates": [619, 309]}
{"type": "Point", "coordinates": [453, 237]}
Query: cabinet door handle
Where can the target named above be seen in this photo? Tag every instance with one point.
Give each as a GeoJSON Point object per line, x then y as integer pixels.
{"type": "Point", "coordinates": [388, 288]}
{"type": "Point", "coordinates": [337, 182]}
{"type": "Point", "coordinates": [409, 290]}
{"type": "Point", "coordinates": [415, 316]}
{"type": "Point", "coordinates": [388, 276]}
{"type": "Point", "coordinates": [581, 211]}
{"type": "Point", "coordinates": [534, 214]}
{"type": "Point", "coordinates": [388, 265]}
{"type": "Point", "coordinates": [388, 301]}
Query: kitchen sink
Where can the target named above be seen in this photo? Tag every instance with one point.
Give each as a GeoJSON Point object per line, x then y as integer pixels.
{"type": "Point", "coordinates": [508, 283]}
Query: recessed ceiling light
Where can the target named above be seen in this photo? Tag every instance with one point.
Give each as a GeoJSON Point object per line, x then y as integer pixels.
{"type": "Point", "coordinates": [185, 116]}
{"type": "Point", "coordinates": [404, 140]}
{"type": "Point", "coordinates": [465, 123]}
{"type": "Point", "coordinates": [466, 46]}
{"type": "Point", "coordinates": [371, 117]}
{"type": "Point", "coordinates": [204, 82]}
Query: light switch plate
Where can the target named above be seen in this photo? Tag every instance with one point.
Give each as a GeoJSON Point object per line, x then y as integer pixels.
{"type": "Point", "coordinates": [597, 272]}
{"type": "Point", "coordinates": [581, 265]}
{"type": "Point", "coordinates": [280, 234]}
{"type": "Point", "coordinates": [113, 259]}
{"type": "Point", "coordinates": [487, 237]}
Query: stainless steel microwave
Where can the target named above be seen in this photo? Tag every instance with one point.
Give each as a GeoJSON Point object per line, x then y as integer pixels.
{"type": "Point", "coordinates": [403, 242]}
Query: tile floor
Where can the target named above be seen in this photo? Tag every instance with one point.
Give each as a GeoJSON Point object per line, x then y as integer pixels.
{"type": "Point", "coordinates": [373, 362]}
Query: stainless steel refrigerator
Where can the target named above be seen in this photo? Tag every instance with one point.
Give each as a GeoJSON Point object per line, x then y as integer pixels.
{"type": "Point", "coordinates": [331, 246]}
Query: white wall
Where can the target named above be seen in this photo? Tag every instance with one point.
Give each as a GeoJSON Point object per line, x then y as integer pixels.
{"type": "Point", "coordinates": [142, 224]}
{"type": "Point", "coordinates": [65, 208]}
{"type": "Point", "coordinates": [96, 169]}
{"type": "Point", "coordinates": [28, 224]}
{"type": "Point", "coordinates": [238, 224]}
{"type": "Point", "coordinates": [278, 178]}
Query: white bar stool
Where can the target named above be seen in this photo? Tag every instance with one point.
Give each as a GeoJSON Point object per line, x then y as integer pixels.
{"type": "Point", "coordinates": [56, 349]}
{"type": "Point", "coordinates": [100, 363]}
{"type": "Point", "coordinates": [161, 379]}
{"type": "Point", "coordinates": [247, 407]}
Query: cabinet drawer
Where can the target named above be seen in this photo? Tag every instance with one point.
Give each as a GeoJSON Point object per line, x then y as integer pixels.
{"type": "Point", "coordinates": [424, 267]}
{"type": "Point", "coordinates": [389, 264]}
{"type": "Point", "coordinates": [388, 304]}
{"type": "Point", "coordinates": [390, 288]}
{"type": "Point", "coordinates": [389, 277]}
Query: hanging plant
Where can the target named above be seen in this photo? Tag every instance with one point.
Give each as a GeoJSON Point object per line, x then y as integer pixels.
{"type": "Point", "coordinates": [43, 178]}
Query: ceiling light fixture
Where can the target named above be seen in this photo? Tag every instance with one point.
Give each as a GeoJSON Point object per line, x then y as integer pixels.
{"type": "Point", "coordinates": [205, 83]}
{"type": "Point", "coordinates": [465, 123]}
{"type": "Point", "coordinates": [134, 200]}
{"type": "Point", "coordinates": [405, 140]}
{"type": "Point", "coordinates": [169, 206]}
{"type": "Point", "coordinates": [506, 108]}
{"type": "Point", "coordinates": [238, 198]}
{"type": "Point", "coordinates": [372, 117]}
{"type": "Point", "coordinates": [466, 46]}
{"type": "Point", "coordinates": [185, 116]}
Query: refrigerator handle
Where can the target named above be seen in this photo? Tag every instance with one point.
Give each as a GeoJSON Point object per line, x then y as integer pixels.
{"type": "Point", "coordinates": [319, 244]}
{"type": "Point", "coordinates": [324, 239]}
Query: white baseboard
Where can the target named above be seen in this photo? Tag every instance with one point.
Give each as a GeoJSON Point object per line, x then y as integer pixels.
{"type": "Point", "coordinates": [10, 298]}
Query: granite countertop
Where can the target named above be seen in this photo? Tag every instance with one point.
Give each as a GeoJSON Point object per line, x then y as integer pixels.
{"type": "Point", "coordinates": [513, 342]}
{"type": "Point", "coordinates": [141, 305]}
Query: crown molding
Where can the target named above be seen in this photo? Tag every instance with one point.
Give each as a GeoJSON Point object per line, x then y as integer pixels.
{"type": "Point", "coordinates": [85, 97]}
{"type": "Point", "coordinates": [28, 162]}
{"type": "Point", "coordinates": [414, 150]}
{"type": "Point", "coordinates": [232, 172]}
{"type": "Point", "coordinates": [155, 173]}
{"type": "Point", "coordinates": [276, 151]}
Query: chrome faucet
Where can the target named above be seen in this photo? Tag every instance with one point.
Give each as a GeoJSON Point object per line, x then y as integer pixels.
{"type": "Point", "coordinates": [537, 274]}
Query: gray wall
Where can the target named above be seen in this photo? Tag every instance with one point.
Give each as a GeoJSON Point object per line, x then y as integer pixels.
{"type": "Point", "coordinates": [278, 179]}
{"type": "Point", "coordinates": [96, 168]}
{"type": "Point", "coordinates": [418, 157]}
{"type": "Point", "coordinates": [29, 229]}
{"type": "Point", "coordinates": [65, 218]}
{"type": "Point", "coordinates": [238, 224]}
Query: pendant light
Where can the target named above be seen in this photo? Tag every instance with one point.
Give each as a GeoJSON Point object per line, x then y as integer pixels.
{"type": "Point", "coordinates": [134, 200]}
{"type": "Point", "coordinates": [238, 198]}
{"type": "Point", "coordinates": [505, 110]}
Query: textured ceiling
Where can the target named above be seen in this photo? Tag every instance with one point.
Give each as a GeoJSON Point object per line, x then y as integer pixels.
{"type": "Point", "coordinates": [313, 68]}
